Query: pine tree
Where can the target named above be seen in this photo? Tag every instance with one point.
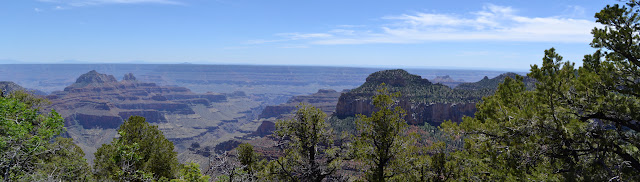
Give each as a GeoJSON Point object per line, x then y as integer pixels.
{"type": "Point", "coordinates": [308, 146]}
{"type": "Point", "coordinates": [382, 143]}
{"type": "Point", "coordinates": [578, 124]}
{"type": "Point", "coordinates": [139, 153]}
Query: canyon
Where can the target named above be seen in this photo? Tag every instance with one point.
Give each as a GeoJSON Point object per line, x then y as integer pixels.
{"type": "Point", "coordinates": [212, 107]}
{"type": "Point", "coordinates": [96, 104]}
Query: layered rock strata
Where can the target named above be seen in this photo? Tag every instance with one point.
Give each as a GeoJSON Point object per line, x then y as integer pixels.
{"type": "Point", "coordinates": [424, 101]}
{"type": "Point", "coordinates": [100, 101]}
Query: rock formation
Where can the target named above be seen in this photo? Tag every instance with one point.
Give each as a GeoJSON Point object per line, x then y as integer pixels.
{"type": "Point", "coordinates": [266, 128]}
{"type": "Point", "coordinates": [424, 101]}
{"type": "Point", "coordinates": [324, 99]}
{"type": "Point", "coordinates": [100, 101]}
{"type": "Point", "coordinates": [97, 104]}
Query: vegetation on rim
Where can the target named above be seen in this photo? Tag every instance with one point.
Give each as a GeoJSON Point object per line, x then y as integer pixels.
{"type": "Point", "coordinates": [577, 124]}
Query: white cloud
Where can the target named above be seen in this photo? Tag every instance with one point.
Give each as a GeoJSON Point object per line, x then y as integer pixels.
{"type": "Point", "coordinates": [492, 23]}
{"type": "Point", "coordinates": [298, 36]}
{"type": "Point", "coordinates": [291, 37]}
{"type": "Point", "coordinates": [82, 3]}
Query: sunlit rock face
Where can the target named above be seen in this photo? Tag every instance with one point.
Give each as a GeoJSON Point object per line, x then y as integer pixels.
{"type": "Point", "coordinates": [424, 101]}
{"type": "Point", "coordinates": [417, 113]}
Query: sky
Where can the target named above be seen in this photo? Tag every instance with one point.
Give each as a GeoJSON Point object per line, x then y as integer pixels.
{"type": "Point", "coordinates": [466, 34]}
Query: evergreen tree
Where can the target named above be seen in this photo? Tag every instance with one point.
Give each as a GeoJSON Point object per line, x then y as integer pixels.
{"type": "Point", "coordinates": [578, 124]}
{"type": "Point", "coordinates": [139, 153]}
{"type": "Point", "coordinates": [247, 157]}
{"type": "Point", "coordinates": [308, 145]}
{"type": "Point", "coordinates": [191, 173]}
{"type": "Point", "coordinates": [27, 152]}
{"type": "Point", "coordinates": [64, 162]}
{"type": "Point", "coordinates": [382, 143]}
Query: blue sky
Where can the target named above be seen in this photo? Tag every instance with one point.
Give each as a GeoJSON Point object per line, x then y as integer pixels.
{"type": "Point", "coordinates": [495, 34]}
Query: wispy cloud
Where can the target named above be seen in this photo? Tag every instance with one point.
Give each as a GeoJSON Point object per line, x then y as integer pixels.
{"type": "Point", "coordinates": [298, 36]}
{"type": "Point", "coordinates": [283, 37]}
{"type": "Point", "coordinates": [492, 23]}
{"type": "Point", "coordinates": [82, 3]}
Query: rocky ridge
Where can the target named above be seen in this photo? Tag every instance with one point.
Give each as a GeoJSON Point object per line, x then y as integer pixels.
{"type": "Point", "coordinates": [424, 101]}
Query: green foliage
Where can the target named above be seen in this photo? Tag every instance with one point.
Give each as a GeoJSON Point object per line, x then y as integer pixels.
{"type": "Point", "coordinates": [417, 90]}
{"type": "Point", "coordinates": [506, 140]}
{"type": "Point", "coordinates": [27, 98]}
{"type": "Point", "coordinates": [489, 86]}
{"type": "Point", "coordinates": [578, 124]}
{"type": "Point", "coordinates": [65, 162]}
{"type": "Point", "coordinates": [308, 145]}
{"type": "Point", "coordinates": [26, 150]}
{"type": "Point", "coordinates": [191, 173]}
{"type": "Point", "coordinates": [412, 87]}
{"type": "Point", "coordinates": [346, 125]}
{"type": "Point", "coordinates": [247, 157]}
{"type": "Point", "coordinates": [23, 134]}
{"type": "Point", "coordinates": [381, 143]}
{"type": "Point", "coordinates": [432, 163]}
{"type": "Point", "coordinates": [141, 153]}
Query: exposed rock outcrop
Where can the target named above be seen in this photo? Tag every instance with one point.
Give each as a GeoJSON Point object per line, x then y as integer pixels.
{"type": "Point", "coordinates": [94, 120]}
{"type": "Point", "coordinates": [266, 128]}
{"type": "Point", "coordinates": [93, 78]}
{"type": "Point", "coordinates": [150, 116]}
{"type": "Point", "coordinates": [424, 102]}
{"type": "Point", "coordinates": [99, 101]}
{"type": "Point", "coordinates": [324, 99]}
